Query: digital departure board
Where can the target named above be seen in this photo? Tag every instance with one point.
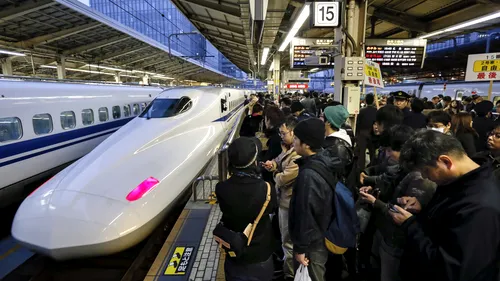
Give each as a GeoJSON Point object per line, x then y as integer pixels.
{"type": "Point", "coordinates": [396, 53]}
{"type": "Point", "coordinates": [311, 53]}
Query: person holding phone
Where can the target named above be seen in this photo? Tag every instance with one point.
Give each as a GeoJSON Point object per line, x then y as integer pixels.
{"type": "Point", "coordinates": [389, 240]}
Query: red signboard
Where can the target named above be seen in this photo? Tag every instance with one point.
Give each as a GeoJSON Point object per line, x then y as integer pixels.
{"type": "Point", "coordinates": [297, 86]}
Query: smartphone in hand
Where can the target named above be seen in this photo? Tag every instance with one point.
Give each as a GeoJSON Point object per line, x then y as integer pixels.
{"type": "Point", "coordinates": [392, 208]}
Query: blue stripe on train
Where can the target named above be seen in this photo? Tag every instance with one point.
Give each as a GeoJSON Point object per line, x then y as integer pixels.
{"type": "Point", "coordinates": [229, 115]}
{"type": "Point", "coordinates": [33, 144]}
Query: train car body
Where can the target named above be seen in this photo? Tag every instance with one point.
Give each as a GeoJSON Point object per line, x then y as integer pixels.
{"type": "Point", "coordinates": [117, 194]}
{"type": "Point", "coordinates": [44, 126]}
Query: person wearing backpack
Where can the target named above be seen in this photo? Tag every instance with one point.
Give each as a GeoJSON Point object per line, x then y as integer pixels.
{"type": "Point", "coordinates": [311, 204]}
{"type": "Point", "coordinates": [389, 240]}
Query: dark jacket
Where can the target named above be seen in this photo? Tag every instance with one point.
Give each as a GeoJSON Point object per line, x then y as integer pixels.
{"type": "Point", "coordinates": [338, 147]}
{"type": "Point", "coordinates": [365, 119]}
{"type": "Point", "coordinates": [416, 120]}
{"type": "Point", "coordinates": [489, 156]}
{"type": "Point", "coordinates": [274, 149]}
{"type": "Point", "coordinates": [483, 126]}
{"type": "Point", "coordinates": [311, 205]}
{"type": "Point", "coordinates": [251, 125]}
{"type": "Point", "coordinates": [413, 185]}
{"type": "Point", "coordinates": [468, 141]}
{"type": "Point", "coordinates": [457, 236]}
{"type": "Point", "coordinates": [240, 200]}
{"type": "Point", "coordinates": [309, 105]}
{"type": "Point", "coordinates": [303, 116]}
{"type": "Point", "coordinates": [407, 115]}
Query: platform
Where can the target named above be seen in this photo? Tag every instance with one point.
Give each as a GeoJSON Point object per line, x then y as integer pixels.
{"type": "Point", "coordinates": [190, 253]}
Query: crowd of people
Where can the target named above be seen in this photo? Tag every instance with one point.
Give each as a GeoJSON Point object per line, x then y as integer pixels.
{"type": "Point", "coordinates": [423, 176]}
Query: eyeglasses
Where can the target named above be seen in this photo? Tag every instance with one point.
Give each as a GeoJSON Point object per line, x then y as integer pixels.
{"type": "Point", "coordinates": [283, 133]}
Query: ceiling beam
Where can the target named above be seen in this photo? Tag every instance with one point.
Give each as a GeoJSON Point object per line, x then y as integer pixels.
{"type": "Point", "coordinates": [403, 21]}
{"type": "Point", "coordinates": [215, 7]}
{"type": "Point", "coordinates": [48, 38]}
{"type": "Point", "coordinates": [231, 48]}
{"type": "Point", "coordinates": [124, 52]}
{"type": "Point", "coordinates": [142, 58]}
{"type": "Point", "coordinates": [24, 9]}
{"type": "Point", "coordinates": [463, 15]}
{"type": "Point", "coordinates": [217, 35]}
{"type": "Point", "coordinates": [96, 45]}
{"type": "Point", "coordinates": [159, 62]}
{"type": "Point", "coordinates": [226, 27]}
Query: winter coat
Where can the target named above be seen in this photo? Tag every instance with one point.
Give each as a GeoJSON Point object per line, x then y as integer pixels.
{"type": "Point", "coordinates": [309, 105]}
{"type": "Point", "coordinates": [339, 145]}
{"type": "Point", "coordinates": [457, 236]}
{"type": "Point", "coordinates": [483, 126]}
{"type": "Point", "coordinates": [311, 207]}
{"type": "Point", "coordinates": [468, 141]}
{"type": "Point", "coordinates": [285, 172]}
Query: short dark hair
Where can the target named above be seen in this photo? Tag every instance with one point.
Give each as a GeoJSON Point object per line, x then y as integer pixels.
{"type": "Point", "coordinates": [417, 105]}
{"type": "Point", "coordinates": [425, 146]}
{"type": "Point", "coordinates": [369, 98]}
{"type": "Point", "coordinates": [274, 115]}
{"type": "Point", "coordinates": [397, 136]}
{"type": "Point", "coordinates": [447, 98]}
{"type": "Point", "coordinates": [439, 116]}
{"type": "Point", "coordinates": [257, 107]}
{"type": "Point", "coordinates": [286, 101]}
{"type": "Point", "coordinates": [290, 122]}
{"type": "Point", "coordinates": [389, 115]}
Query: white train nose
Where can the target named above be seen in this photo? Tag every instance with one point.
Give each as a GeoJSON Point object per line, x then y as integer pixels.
{"type": "Point", "coordinates": [69, 221]}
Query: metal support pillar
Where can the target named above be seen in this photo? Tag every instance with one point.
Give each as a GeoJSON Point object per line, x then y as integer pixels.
{"type": "Point", "coordinates": [276, 73]}
{"type": "Point", "coordinates": [61, 67]}
{"type": "Point", "coordinates": [269, 78]}
{"type": "Point", "coordinates": [6, 66]}
{"type": "Point", "coordinates": [117, 77]}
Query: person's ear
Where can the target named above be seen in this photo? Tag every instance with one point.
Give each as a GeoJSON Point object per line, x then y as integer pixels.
{"type": "Point", "coordinates": [446, 161]}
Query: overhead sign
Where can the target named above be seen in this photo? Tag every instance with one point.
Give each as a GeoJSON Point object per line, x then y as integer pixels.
{"type": "Point", "coordinates": [297, 86]}
{"type": "Point", "coordinates": [373, 75]}
{"type": "Point", "coordinates": [397, 53]}
{"type": "Point", "coordinates": [179, 262]}
{"type": "Point", "coordinates": [326, 14]}
{"type": "Point", "coordinates": [483, 67]}
{"type": "Point", "coordinates": [312, 52]}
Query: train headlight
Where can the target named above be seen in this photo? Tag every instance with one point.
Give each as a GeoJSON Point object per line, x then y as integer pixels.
{"type": "Point", "coordinates": [143, 188]}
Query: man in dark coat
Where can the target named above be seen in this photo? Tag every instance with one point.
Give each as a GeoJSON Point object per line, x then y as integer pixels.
{"type": "Point", "coordinates": [401, 101]}
{"type": "Point", "coordinates": [311, 207]}
{"type": "Point", "coordinates": [482, 123]}
{"type": "Point", "coordinates": [364, 127]}
{"type": "Point", "coordinates": [457, 236]}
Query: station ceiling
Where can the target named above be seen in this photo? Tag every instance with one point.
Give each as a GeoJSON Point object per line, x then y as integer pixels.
{"type": "Point", "coordinates": [45, 30]}
{"type": "Point", "coordinates": [226, 22]}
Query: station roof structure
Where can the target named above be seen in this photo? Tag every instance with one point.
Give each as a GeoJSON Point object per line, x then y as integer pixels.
{"type": "Point", "coordinates": [226, 22]}
{"type": "Point", "coordinates": [93, 46]}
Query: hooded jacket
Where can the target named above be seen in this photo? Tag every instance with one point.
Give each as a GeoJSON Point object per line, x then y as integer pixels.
{"type": "Point", "coordinates": [457, 236]}
{"type": "Point", "coordinates": [309, 105]}
{"type": "Point", "coordinates": [339, 145]}
{"type": "Point", "coordinates": [311, 206]}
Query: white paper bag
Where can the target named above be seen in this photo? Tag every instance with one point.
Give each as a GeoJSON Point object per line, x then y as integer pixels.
{"type": "Point", "coordinates": [302, 274]}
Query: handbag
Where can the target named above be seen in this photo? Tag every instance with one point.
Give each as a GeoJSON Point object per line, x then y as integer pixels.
{"type": "Point", "coordinates": [234, 243]}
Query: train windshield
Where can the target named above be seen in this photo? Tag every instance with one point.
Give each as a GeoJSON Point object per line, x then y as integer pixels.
{"type": "Point", "coordinates": [163, 108]}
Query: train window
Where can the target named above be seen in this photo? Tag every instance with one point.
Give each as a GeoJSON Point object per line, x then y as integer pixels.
{"type": "Point", "coordinates": [42, 124]}
{"type": "Point", "coordinates": [126, 110]}
{"type": "Point", "coordinates": [10, 129]}
{"type": "Point", "coordinates": [143, 106]}
{"type": "Point", "coordinates": [116, 112]}
{"type": "Point", "coordinates": [136, 109]}
{"type": "Point", "coordinates": [68, 120]}
{"type": "Point", "coordinates": [103, 114]}
{"type": "Point", "coordinates": [87, 117]}
{"type": "Point", "coordinates": [162, 108]}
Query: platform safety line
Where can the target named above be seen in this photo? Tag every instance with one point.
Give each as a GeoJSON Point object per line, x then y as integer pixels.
{"type": "Point", "coordinates": [178, 225]}
{"type": "Point", "coordinates": [10, 251]}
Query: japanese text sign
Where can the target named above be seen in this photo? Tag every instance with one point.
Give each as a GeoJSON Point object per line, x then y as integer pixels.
{"type": "Point", "coordinates": [483, 67]}
{"type": "Point", "coordinates": [373, 75]}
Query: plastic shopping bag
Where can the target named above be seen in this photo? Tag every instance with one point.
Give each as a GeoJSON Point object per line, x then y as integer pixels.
{"type": "Point", "coordinates": [302, 274]}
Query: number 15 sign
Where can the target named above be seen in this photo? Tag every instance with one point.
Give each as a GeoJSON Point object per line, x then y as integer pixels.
{"type": "Point", "coordinates": [326, 14]}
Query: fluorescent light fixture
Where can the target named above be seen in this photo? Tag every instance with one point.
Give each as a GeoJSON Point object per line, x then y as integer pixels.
{"type": "Point", "coordinates": [314, 69]}
{"type": "Point", "coordinates": [304, 14]}
{"type": "Point", "coordinates": [86, 71]}
{"type": "Point", "coordinates": [105, 67]}
{"type": "Point", "coordinates": [265, 52]}
{"type": "Point", "coordinates": [463, 25]}
{"type": "Point", "coordinates": [12, 53]}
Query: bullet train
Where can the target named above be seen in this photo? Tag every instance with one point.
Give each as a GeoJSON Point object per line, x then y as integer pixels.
{"type": "Point", "coordinates": [44, 126]}
{"type": "Point", "coordinates": [113, 197]}
{"type": "Point", "coordinates": [456, 90]}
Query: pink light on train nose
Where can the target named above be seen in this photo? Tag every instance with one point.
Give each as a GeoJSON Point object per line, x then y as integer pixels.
{"type": "Point", "coordinates": [143, 188]}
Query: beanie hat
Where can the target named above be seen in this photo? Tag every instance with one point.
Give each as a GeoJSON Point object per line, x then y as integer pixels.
{"type": "Point", "coordinates": [311, 132]}
{"type": "Point", "coordinates": [482, 108]}
{"type": "Point", "coordinates": [336, 115]}
{"type": "Point", "coordinates": [242, 152]}
{"type": "Point", "coordinates": [296, 106]}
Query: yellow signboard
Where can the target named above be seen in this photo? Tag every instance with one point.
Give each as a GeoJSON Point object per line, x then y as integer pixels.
{"type": "Point", "coordinates": [486, 65]}
{"type": "Point", "coordinates": [372, 71]}
{"type": "Point", "coordinates": [179, 261]}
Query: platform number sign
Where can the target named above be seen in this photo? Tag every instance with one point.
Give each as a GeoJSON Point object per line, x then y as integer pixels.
{"type": "Point", "coordinates": [326, 14]}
